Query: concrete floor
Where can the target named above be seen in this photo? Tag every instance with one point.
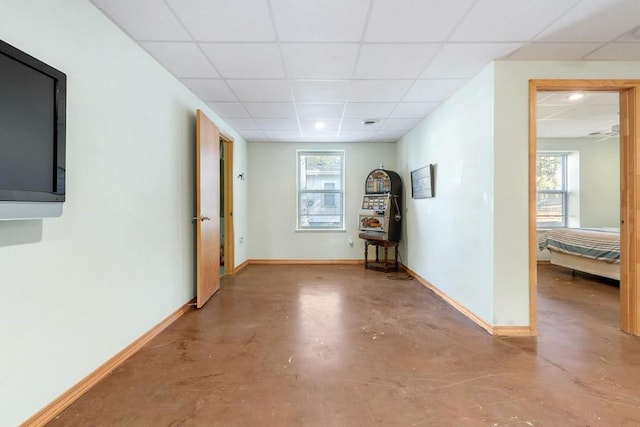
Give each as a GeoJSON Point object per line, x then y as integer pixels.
{"type": "Point", "coordinates": [341, 346]}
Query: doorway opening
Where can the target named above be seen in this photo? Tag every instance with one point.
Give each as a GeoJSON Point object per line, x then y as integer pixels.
{"type": "Point", "coordinates": [226, 205]}
{"type": "Point", "coordinates": [628, 92]}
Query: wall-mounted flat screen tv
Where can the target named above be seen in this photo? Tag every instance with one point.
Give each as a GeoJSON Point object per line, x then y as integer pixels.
{"type": "Point", "coordinates": [32, 136]}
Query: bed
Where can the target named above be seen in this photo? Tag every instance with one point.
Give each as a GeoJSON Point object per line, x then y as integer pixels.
{"type": "Point", "coordinates": [590, 250]}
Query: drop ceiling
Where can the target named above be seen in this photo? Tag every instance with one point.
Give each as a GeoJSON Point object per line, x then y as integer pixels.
{"type": "Point", "coordinates": [273, 69]}
{"type": "Point", "coordinates": [592, 115]}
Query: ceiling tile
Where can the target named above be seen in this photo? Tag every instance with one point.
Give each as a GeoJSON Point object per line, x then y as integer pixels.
{"type": "Point", "coordinates": [319, 60]}
{"type": "Point", "coordinates": [319, 135]}
{"type": "Point", "coordinates": [594, 21]}
{"type": "Point", "coordinates": [590, 98]}
{"type": "Point", "coordinates": [378, 90]}
{"type": "Point", "coordinates": [319, 20]}
{"type": "Point", "coordinates": [584, 112]}
{"type": "Point", "coordinates": [245, 60]}
{"type": "Point", "coordinates": [144, 19]}
{"type": "Point", "coordinates": [229, 109]}
{"type": "Point", "coordinates": [183, 60]}
{"type": "Point", "coordinates": [278, 124]}
{"type": "Point", "coordinates": [387, 135]}
{"type": "Point", "coordinates": [401, 124]}
{"type": "Point", "coordinates": [320, 90]}
{"type": "Point", "coordinates": [357, 125]}
{"type": "Point", "coordinates": [548, 111]}
{"type": "Point", "coordinates": [573, 128]}
{"type": "Point", "coordinates": [414, 20]}
{"type": "Point", "coordinates": [271, 110]}
{"type": "Point", "coordinates": [223, 20]}
{"type": "Point", "coordinates": [617, 52]}
{"type": "Point", "coordinates": [253, 135]}
{"type": "Point", "coordinates": [326, 111]}
{"type": "Point", "coordinates": [433, 90]}
{"type": "Point", "coordinates": [465, 60]}
{"type": "Point", "coordinates": [631, 36]}
{"type": "Point", "coordinates": [508, 20]}
{"type": "Point", "coordinates": [284, 135]}
{"type": "Point", "coordinates": [560, 117]}
{"type": "Point", "coordinates": [364, 110]}
{"type": "Point", "coordinates": [394, 61]}
{"type": "Point", "coordinates": [242, 124]}
{"type": "Point", "coordinates": [554, 51]}
{"type": "Point", "coordinates": [261, 90]}
{"type": "Point", "coordinates": [210, 90]}
{"type": "Point", "coordinates": [310, 125]}
{"type": "Point", "coordinates": [413, 110]}
{"type": "Point", "coordinates": [355, 136]}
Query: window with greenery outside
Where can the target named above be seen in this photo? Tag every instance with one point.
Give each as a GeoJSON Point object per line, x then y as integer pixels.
{"type": "Point", "coordinates": [320, 189]}
{"type": "Point", "coordinates": [551, 190]}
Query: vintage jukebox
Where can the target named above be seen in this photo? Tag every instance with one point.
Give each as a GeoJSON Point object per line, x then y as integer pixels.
{"type": "Point", "coordinates": [379, 216]}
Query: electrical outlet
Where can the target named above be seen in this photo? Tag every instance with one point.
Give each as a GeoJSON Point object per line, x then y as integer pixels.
{"type": "Point", "coordinates": [350, 240]}
{"type": "Point", "coordinates": [241, 239]}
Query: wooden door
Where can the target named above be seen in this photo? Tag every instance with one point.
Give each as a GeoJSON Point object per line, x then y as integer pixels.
{"type": "Point", "coordinates": [207, 218]}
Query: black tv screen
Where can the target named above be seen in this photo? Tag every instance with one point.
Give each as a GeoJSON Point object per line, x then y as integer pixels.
{"type": "Point", "coordinates": [32, 128]}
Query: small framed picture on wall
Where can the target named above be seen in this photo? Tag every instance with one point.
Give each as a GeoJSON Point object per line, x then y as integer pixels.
{"type": "Point", "coordinates": [422, 181]}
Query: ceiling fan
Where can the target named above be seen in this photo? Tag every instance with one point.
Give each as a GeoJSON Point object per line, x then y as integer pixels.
{"type": "Point", "coordinates": [613, 133]}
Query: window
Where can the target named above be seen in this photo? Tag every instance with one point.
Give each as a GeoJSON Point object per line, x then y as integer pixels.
{"type": "Point", "coordinates": [551, 190]}
{"type": "Point", "coordinates": [320, 190]}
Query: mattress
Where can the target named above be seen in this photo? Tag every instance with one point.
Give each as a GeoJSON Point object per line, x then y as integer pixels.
{"type": "Point", "coordinates": [595, 243]}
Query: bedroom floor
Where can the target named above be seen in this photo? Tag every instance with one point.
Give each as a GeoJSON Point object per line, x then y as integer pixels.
{"type": "Point", "coordinates": [344, 346]}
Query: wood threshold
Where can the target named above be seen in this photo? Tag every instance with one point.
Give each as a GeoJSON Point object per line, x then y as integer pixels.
{"type": "Point", "coordinates": [54, 408]}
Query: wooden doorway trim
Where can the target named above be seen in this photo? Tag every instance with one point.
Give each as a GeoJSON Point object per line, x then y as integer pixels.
{"type": "Point", "coordinates": [229, 249]}
{"type": "Point", "coordinates": [629, 91]}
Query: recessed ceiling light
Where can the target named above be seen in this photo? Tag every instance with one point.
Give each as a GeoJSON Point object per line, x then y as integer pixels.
{"type": "Point", "coordinates": [369, 122]}
{"type": "Point", "coordinates": [575, 96]}
{"type": "Point", "coordinates": [320, 125]}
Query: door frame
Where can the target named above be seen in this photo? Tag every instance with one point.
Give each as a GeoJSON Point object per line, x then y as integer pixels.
{"type": "Point", "coordinates": [229, 248]}
{"type": "Point", "coordinates": [629, 91]}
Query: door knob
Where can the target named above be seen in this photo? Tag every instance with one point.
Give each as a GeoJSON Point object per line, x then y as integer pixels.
{"type": "Point", "coordinates": [201, 218]}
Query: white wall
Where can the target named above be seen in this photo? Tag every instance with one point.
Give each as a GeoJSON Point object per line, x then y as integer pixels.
{"type": "Point", "coordinates": [272, 200]}
{"type": "Point", "coordinates": [77, 289]}
{"type": "Point", "coordinates": [448, 240]}
{"type": "Point", "coordinates": [240, 201]}
{"type": "Point", "coordinates": [471, 240]}
{"type": "Point", "coordinates": [511, 170]}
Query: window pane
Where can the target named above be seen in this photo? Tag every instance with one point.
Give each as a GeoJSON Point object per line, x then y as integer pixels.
{"type": "Point", "coordinates": [329, 199]}
{"type": "Point", "coordinates": [549, 172]}
{"type": "Point", "coordinates": [551, 186]}
{"type": "Point", "coordinates": [315, 213]}
{"type": "Point", "coordinates": [320, 189]}
{"type": "Point", "coordinates": [550, 210]}
{"type": "Point", "coordinates": [317, 170]}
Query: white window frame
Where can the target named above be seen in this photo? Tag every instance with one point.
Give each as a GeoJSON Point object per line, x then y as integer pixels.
{"type": "Point", "coordinates": [339, 192]}
{"type": "Point", "coordinates": [564, 190]}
